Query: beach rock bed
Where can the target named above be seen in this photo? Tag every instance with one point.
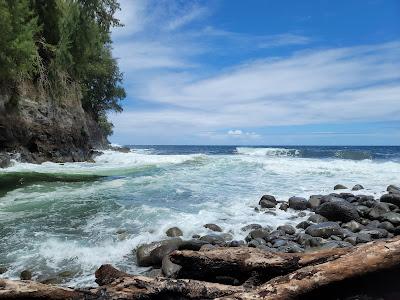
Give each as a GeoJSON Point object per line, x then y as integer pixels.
{"type": "Point", "coordinates": [336, 220]}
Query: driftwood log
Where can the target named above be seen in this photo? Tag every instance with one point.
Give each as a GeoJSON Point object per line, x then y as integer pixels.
{"type": "Point", "coordinates": [370, 269]}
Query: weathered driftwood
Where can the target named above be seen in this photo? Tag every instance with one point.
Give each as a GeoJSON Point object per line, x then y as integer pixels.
{"type": "Point", "coordinates": [10, 289]}
{"type": "Point", "coordinates": [361, 261]}
{"type": "Point", "coordinates": [246, 263]}
{"type": "Point", "coordinates": [315, 272]}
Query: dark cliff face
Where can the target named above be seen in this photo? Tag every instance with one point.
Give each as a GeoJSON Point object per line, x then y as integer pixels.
{"type": "Point", "coordinates": [41, 128]}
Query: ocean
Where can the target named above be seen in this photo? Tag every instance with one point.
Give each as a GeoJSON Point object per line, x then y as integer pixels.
{"type": "Point", "coordinates": [65, 220]}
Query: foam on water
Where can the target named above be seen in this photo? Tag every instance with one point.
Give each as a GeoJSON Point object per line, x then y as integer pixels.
{"type": "Point", "coordinates": [54, 226]}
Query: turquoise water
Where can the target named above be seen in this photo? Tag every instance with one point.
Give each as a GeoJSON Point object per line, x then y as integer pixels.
{"type": "Point", "coordinates": [71, 218]}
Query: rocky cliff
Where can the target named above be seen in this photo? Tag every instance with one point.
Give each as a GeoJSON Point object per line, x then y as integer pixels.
{"type": "Point", "coordinates": [36, 127]}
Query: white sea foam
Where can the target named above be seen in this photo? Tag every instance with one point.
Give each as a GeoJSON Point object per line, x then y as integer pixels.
{"type": "Point", "coordinates": [75, 225]}
{"type": "Point", "coordinates": [267, 151]}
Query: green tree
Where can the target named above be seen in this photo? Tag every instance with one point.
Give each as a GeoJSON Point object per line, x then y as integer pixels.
{"type": "Point", "coordinates": [18, 52]}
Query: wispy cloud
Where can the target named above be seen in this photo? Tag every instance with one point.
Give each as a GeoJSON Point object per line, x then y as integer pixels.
{"type": "Point", "coordinates": [163, 68]}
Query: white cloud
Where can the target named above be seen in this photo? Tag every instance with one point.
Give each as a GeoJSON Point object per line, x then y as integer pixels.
{"type": "Point", "coordinates": [159, 56]}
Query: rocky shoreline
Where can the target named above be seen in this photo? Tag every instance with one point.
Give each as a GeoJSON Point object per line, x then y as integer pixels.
{"type": "Point", "coordinates": [348, 238]}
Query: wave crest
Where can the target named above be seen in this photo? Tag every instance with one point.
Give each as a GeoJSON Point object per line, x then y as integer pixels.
{"type": "Point", "coordinates": [268, 151]}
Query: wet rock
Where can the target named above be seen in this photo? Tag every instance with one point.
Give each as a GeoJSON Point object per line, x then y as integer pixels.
{"type": "Point", "coordinates": [303, 225]}
{"type": "Point", "coordinates": [284, 206]}
{"type": "Point", "coordinates": [269, 198]}
{"type": "Point", "coordinates": [323, 230]}
{"type": "Point", "coordinates": [174, 232]}
{"type": "Point", "coordinates": [378, 210]}
{"type": "Point", "coordinates": [314, 201]}
{"type": "Point", "coordinates": [340, 210]}
{"type": "Point", "coordinates": [301, 214]}
{"type": "Point", "coordinates": [208, 247]}
{"type": "Point", "coordinates": [393, 198]}
{"type": "Point", "coordinates": [346, 196]}
{"type": "Point", "coordinates": [357, 187]}
{"type": "Point", "coordinates": [3, 270]}
{"type": "Point", "coordinates": [298, 203]}
{"type": "Point", "coordinates": [216, 239]}
{"type": "Point", "coordinates": [377, 233]}
{"type": "Point", "coordinates": [143, 252]}
{"type": "Point", "coordinates": [353, 226]}
{"type": "Point", "coordinates": [392, 189]}
{"type": "Point", "coordinates": [257, 233]}
{"type": "Point", "coordinates": [5, 161]}
{"type": "Point", "coordinates": [26, 275]}
{"type": "Point", "coordinates": [236, 243]}
{"type": "Point", "coordinates": [276, 234]}
{"type": "Point", "coordinates": [363, 238]}
{"type": "Point", "coordinates": [288, 229]}
{"type": "Point", "coordinates": [386, 225]}
{"type": "Point", "coordinates": [362, 210]}
{"type": "Point", "coordinates": [195, 236]}
{"type": "Point", "coordinates": [291, 247]}
{"type": "Point", "coordinates": [267, 204]}
{"type": "Point", "coordinates": [351, 239]}
{"type": "Point", "coordinates": [169, 269]}
{"type": "Point", "coordinates": [251, 227]}
{"type": "Point", "coordinates": [335, 238]}
{"type": "Point", "coordinates": [372, 224]}
{"type": "Point", "coordinates": [340, 187]}
{"type": "Point", "coordinates": [213, 227]}
{"type": "Point", "coordinates": [160, 252]}
{"type": "Point", "coordinates": [316, 218]}
{"type": "Point", "coordinates": [391, 217]}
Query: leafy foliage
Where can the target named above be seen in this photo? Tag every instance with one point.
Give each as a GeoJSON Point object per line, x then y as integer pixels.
{"type": "Point", "coordinates": [67, 42]}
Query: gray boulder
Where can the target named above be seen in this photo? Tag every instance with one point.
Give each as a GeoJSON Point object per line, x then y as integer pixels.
{"type": "Point", "coordinates": [314, 201]}
{"type": "Point", "coordinates": [353, 226]}
{"type": "Point", "coordinates": [324, 230]}
{"type": "Point", "coordinates": [213, 227]}
{"type": "Point", "coordinates": [26, 275]}
{"type": "Point", "coordinates": [288, 229]}
{"type": "Point", "coordinates": [284, 206]}
{"type": "Point", "coordinates": [298, 203]}
{"type": "Point", "coordinates": [174, 232]}
{"type": "Point", "coordinates": [168, 268]}
{"type": "Point", "coordinates": [339, 187]}
{"type": "Point", "coordinates": [357, 187]}
{"type": "Point", "coordinates": [269, 198]}
{"type": "Point", "coordinates": [393, 198]}
{"type": "Point", "coordinates": [391, 217]}
{"type": "Point", "coordinates": [392, 189]}
{"type": "Point", "coordinates": [267, 204]}
{"type": "Point", "coordinates": [316, 218]}
{"type": "Point", "coordinates": [339, 210]}
{"type": "Point", "coordinates": [378, 210]}
{"type": "Point", "coordinates": [251, 227]}
{"type": "Point", "coordinates": [144, 256]}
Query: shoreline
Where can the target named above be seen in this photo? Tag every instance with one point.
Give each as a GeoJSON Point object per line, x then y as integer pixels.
{"type": "Point", "coordinates": [338, 222]}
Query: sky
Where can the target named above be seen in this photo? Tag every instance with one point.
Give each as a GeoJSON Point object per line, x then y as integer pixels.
{"type": "Point", "coordinates": [259, 72]}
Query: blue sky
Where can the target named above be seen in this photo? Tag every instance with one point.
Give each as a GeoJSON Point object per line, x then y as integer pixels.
{"type": "Point", "coordinates": [259, 72]}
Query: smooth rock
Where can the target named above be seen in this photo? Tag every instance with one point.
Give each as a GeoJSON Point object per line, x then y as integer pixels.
{"type": "Point", "coordinates": [363, 238]}
{"type": "Point", "coordinates": [143, 252]}
{"type": "Point", "coordinates": [357, 187]}
{"type": "Point", "coordinates": [386, 225]}
{"type": "Point", "coordinates": [257, 233]}
{"type": "Point", "coordinates": [160, 252]}
{"type": "Point", "coordinates": [154, 272]}
{"type": "Point", "coordinates": [378, 210]}
{"type": "Point", "coordinates": [339, 187]}
{"type": "Point", "coordinates": [207, 247]}
{"type": "Point", "coordinates": [393, 198]}
{"type": "Point", "coordinates": [174, 232]}
{"type": "Point", "coordinates": [316, 218]}
{"type": "Point", "coordinates": [340, 210]}
{"type": "Point", "coordinates": [168, 268]}
{"type": "Point", "coordinates": [362, 210]}
{"type": "Point", "coordinates": [267, 204]}
{"type": "Point", "coordinates": [5, 161]}
{"type": "Point", "coordinates": [353, 226]}
{"type": "Point", "coordinates": [391, 217]}
{"type": "Point", "coordinates": [3, 270]}
{"type": "Point", "coordinates": [323, 230]}
{"type": "Point", "coordinates": [298, 203]}
{"type": "Point", "coordinates": [284, 206]}
{"type": "Point", "coordinates": [304, 224]}
{"type": "Point", "coordinates": [392, 189]}
{"type": "Point", "coordinates": [269, 198]}
{"type": "Point", "coordinates": [251, 227]}
{"type": "Point", "coordinates": [213, 227]}
{"type": "Point", "coordinates": [288, 229]}
{"type": "Point", "coordinates": [351, 239]}
{"type": "Point", "coordinates": [314, 201]}
{"type": "Point", "coordinates": [26, 275]}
